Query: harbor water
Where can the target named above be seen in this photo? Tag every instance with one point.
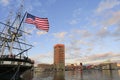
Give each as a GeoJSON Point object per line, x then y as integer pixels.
{"type": "Point", "coordinates": [78, 75]}
{"type": "Point", "coordinates": [74, 75]}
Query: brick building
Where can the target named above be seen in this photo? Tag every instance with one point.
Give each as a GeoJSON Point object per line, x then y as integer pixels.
{"type": "Point", "coordinates": [59, 57]}
{"type": "Point", "coordinates": [44, 67]}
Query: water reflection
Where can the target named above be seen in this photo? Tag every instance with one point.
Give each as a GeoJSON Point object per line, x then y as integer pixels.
{"type": "Point", "coordinates": [59, 75]}
{"type": "Point", "coordinates": [76, 75]}
{"type": "Point", "coordinates": [81, 75]}
{"type": "Point", "coordinates": [119, 72]}
{"type": "Point", "coordinates": [107, 74]}
{"type": "Point", "coordinates": [43, 76]}
{"type": "Point", "coordinates": [73, 75]}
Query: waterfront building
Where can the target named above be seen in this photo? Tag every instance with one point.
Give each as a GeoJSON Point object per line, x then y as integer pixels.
{"type": "Point", "coordinates": [118, 65]}
{"type": "Point", "coordinates": [59, 57]}
{"type": "Point", "coordinates": [107, 66]}
{"type": "Point", "coordinates": [44, 67]}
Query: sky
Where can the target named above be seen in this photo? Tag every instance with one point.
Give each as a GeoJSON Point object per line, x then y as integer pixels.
{"type": "Point", "coordinates": [89, 29]}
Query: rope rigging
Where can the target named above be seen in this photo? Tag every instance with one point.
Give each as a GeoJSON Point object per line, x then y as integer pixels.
{"type": "Point", "coordinates": [13, 61]}
{"type": "Point", "coordinates": [17, 71]}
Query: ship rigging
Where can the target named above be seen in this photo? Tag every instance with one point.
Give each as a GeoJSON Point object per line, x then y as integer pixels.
{"type": "Point", "coordinates": [13, 46]}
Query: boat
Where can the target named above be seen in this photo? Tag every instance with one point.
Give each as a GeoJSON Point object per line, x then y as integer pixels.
{"type": "Point", "coordinates": [14, 60]}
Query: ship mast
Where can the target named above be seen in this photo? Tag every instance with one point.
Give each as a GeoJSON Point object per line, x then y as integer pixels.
{"type": "Point", "coordinates": [11, 36]}
{"type": "Point", "coordinates": [17, 26]}
{"type": "Point", "coordinates": [6, 31]}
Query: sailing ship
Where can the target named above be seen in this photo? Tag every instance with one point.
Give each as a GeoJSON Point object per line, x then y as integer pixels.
{"type": "Point", "coordinates": [14, 60]}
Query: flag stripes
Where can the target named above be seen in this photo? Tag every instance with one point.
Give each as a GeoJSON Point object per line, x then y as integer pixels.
{"type": "Point", "coordinates": [40, 23]}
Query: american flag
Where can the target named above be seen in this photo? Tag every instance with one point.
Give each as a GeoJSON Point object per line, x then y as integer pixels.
{"type": "Point", "coordinates": [40, 23]}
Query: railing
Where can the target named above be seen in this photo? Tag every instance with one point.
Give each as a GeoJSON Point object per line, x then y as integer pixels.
{"type": "Point", "coordinates": [15, 59]}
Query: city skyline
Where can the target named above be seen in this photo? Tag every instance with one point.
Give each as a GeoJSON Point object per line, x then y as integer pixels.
{"type": "Point", "coordinates": [90, 30]}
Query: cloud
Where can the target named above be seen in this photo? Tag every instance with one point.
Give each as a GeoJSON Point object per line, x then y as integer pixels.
{"type": "Point", "coordinates": [33, 6]}
{"type": "Point", "coordinates": [35, 43]}
{"type": "Point", "coordinates": [100, 57]}
{"type": "Point", "coordinates": [37, 3]}
{"type": "Point", "coordinates": [4, 2]}
{"type": "Point", "coordinates": [77, 12]}
{"type": "Point", "coordinates": [43, 58]}
{"type": "Point", "coordinates": [41, 32]}
{"type": "Point", "coordinates": [103, 33]}
{"type": "Point", "coordinates": [29, 30]}
{"type": "Point", "coordinates": [60, 36]}
{"type": "Point", "coordinates": [107, 14]}
{"type": "Point", "coordinates": [77, 43]}
{"type": "Point", "coordinates": [83, 33]}
{"type": "Point", "coordinates": [117, 39]}
{"type": "Point", "coordinates": [50, 2]}
{"type": "Point", "coordinates": [76, 16]}
{"type": "Point", "coordinates": [116, 33]}
{"type": "Point", "coordinates": [29, 8]}
{"type": "Point", "coordinates": [107, 4]}
{"type": "Point", "coordinates": [73, 47]}
{"type": "Point", "coordinates": [89, 49]}
{"type": "Point", "coordinates": [113, 20]}
{"type": "Point", "coordinates": [73, 22]}
{"type": "Point", "coordinates": [107, 21]}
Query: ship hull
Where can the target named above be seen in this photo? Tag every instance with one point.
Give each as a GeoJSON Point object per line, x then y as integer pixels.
{"type": "Point", "coordinates": [13, 68]}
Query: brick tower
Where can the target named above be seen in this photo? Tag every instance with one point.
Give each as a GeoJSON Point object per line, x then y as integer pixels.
{"type": "Point", "coordinates": [59, 57]}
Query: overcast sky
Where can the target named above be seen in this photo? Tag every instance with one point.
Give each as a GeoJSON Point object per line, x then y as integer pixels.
{"type": "Point", "coordinates": [89, 29]}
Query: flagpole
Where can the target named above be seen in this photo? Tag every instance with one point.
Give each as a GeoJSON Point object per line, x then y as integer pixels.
{"type": "Point", "coordinates": [21, 21]}
{"type": "Point", "coordinates": [20, 25]}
